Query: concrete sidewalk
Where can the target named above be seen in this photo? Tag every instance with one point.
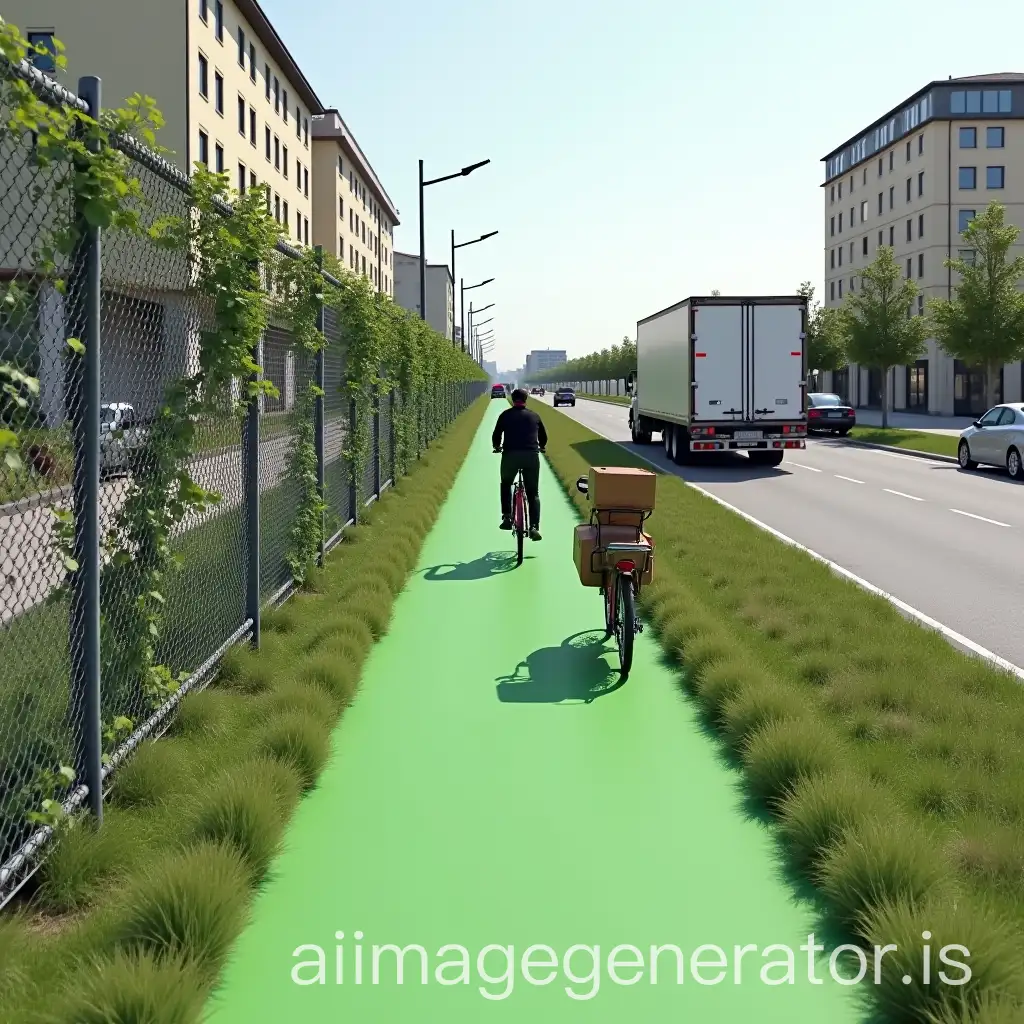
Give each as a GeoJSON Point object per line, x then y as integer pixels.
{"type": "Point", "coordinates": [915, 421]}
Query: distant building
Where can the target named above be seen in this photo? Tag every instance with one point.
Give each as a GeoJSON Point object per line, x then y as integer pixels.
{"type": "Point", "coordinates": [439, 287]}
{"type": "Point", "coordinates": [491, 369]}
{"type": "Point", "coordinates": [540, 360]}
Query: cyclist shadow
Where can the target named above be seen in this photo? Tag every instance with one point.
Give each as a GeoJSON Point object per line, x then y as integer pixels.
{"type": "Point", "coordinates": [492, 564]}
{"type": "Point", "coordinates": [574, 672]}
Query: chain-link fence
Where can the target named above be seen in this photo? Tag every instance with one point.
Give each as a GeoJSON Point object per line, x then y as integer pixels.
{"type": "Point", "coordinates": [78, 475]}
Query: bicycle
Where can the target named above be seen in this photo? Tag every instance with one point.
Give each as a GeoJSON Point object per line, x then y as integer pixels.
{"type": "Point", "coordinates": [623, 565]}
{"type": "Point", "coordinates": [520, 511]}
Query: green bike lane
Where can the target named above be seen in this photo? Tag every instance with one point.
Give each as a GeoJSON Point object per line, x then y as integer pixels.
{"type": "Point", "coordinates": [491, 786]}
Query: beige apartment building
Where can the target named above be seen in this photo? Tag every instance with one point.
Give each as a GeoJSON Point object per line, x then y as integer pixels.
{"type": "Point", "coordinates": [438, 285]}
{"type": "Point", "coordinates": [231, 94]}
{"type": "Point", "coordinates": [353, 216]}
{"type": "Point", "coordinates": [913, 180]}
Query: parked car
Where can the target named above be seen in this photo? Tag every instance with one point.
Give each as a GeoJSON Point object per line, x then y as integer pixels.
{"type": "Point", "coordinates": [121, 437]}
{"type": "Point", "coordinates": [564, 396]}
{"type": "Point", "coordinates": [996, 439]}
{"type": "Point", "coordinates": [537, 391]}
{"type": "Point", "coordinates": [498, 391]}
{"type": "Point", "coordinates": [829, 414]}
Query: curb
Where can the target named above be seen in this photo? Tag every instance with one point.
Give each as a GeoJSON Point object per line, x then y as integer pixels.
{"type": "Point", "coordinates": [914, 452]}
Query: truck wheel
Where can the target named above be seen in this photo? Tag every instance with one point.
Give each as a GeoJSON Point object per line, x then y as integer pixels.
{"type": "Point", "coordinates": [680, 446]}
{"type": "Point", "coordinates": [763, 458]}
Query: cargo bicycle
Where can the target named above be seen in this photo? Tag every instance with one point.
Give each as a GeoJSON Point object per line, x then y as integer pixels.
{"type": "Point", "coordinates": [621, 558]}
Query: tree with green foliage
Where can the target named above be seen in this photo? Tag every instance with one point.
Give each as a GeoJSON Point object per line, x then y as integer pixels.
{"type": "Point", "coordinates": [613, 363]}
{"type": "Point", "coordinates": [825, 339]}
{"type": "Point", "coordinates": [984, 324]}
{"type": "Point", "coordinates": [877, 322]}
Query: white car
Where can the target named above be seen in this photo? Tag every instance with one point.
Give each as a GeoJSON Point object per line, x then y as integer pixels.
{"type": "Point", "coordinates": [996, 439]}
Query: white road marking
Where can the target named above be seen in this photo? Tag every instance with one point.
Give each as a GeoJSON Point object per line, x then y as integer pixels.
{"type": "Point", "coordinates": [951, 635]}
{"type": "Point", "coordinates": [800, 465]}
{"type": "Point", "coordinates": [994, 522]}
{"type": "Point", "coordinates": [900, 494]}
{"type": "Point", "coordinates": [839, 476]}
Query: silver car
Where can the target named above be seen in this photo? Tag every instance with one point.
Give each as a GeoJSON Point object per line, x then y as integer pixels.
{"type": "Point", "coordinates": [997, 439]}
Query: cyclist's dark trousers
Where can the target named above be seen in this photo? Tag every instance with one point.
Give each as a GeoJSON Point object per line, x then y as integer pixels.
{"type": "Point", "coordinates": [529, 463]}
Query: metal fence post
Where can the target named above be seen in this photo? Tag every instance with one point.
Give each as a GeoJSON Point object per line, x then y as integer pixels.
{"type": "Point", "coordinates": [321, 366]}
{"type": "Point", "coordinates": [84, 627]}
{"type": "Point", "coordinates": [391, 431]}
{"type": "Point", "coordinates": [353, 489]}
{"type": "Point", "coordinates": [251, 451]}
{"type": "Point", "coordinates": [376, 445]}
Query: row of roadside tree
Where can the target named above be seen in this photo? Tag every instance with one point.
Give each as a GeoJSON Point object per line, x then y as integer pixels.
{"type": "Point", "coordinates": [879, 325]}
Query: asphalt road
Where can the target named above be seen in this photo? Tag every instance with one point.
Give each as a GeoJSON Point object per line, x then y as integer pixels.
{"type": "Point", "coordinates": [947, 542]}
{"type": "Point", "coordinates": [29, 566]}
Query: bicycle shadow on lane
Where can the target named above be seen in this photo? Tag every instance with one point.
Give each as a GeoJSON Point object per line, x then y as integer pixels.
{"type": "Point", "coordinates": [494, 563]}
{"type": "Point", "coordinates": [577, 671]}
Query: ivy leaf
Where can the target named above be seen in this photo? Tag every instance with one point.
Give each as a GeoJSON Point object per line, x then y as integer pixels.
{"type": "Point", "coordinates": [70, 564]}
{"type": "Point", "coordinates": [76, 346]}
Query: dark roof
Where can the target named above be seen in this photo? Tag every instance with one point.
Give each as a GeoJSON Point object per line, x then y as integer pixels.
{"type": "Point", "coordinates": [261, 25]}
{"type": "Point", "coordinates": [998, 78]}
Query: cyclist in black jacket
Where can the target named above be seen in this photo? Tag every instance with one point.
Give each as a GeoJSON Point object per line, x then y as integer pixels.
{"type": "Point", "coordinates": [525, 437]}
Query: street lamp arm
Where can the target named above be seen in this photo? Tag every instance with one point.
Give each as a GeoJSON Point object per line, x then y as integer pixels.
{"type": "Point", "coordinates": [457, 174]}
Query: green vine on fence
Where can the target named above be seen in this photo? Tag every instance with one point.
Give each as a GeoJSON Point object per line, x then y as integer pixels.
{"type": "Point", "coordinates": [300, 291]}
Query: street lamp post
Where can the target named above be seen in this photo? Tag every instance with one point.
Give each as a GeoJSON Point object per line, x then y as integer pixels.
{"type": "Point", "coordinates": [463, 288]}
{"type": "Point", "coordinates": [462, 308]}
{"type": "Point", "coordinates": [423, 237]}
{"type": "Point", "coordinates": [472, 311]}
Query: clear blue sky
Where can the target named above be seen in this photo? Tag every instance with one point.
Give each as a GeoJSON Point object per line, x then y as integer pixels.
{"type": "Point", "coordinates": [641, 152]}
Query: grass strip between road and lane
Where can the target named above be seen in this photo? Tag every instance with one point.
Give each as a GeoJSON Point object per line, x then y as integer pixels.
{"type": "Point", "coordinates": [134, 921]}
{"type": "Point", "coordinates": [912, 440]}
{"type": "Point", "coordinates": [891, 764]}
{"type": "Point", "coordinates": [612, 399]}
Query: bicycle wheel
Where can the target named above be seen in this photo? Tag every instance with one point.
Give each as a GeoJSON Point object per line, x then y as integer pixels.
{"type": "Point", "coordinates": [625, 626]}
{"type": "Point", "coordinates": [519, 520]}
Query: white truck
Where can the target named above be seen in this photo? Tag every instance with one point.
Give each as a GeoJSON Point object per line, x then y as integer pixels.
{"type": "Point", "coordinates": [722, 374]}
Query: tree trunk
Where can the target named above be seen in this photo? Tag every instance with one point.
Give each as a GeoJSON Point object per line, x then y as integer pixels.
{"type": "Point", "coordinates": [885, 397]}
{"type": "Point", "coordinates": [991, 384]}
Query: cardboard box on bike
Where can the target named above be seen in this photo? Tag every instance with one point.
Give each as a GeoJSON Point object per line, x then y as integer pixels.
{"type": "Point", "coordinates": [621, 488]}
{"type": "Point", "coordinates": [585, 542]}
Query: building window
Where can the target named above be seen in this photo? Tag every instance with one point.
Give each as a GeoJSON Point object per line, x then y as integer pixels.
{"type": "Point", "coordinates": [920, 144]}
{"type": "Point", "coordinates": [252, 62]}
{"type": "Point", "coordinates": [284, 105]}
{"type": "Point", "coordinates": [307, 231]}
{"type": "Point", "coordinates": [218, 20]}
{"type": "Point", "coordinates": [891, 155]}
{"type": "Point", "coordinates": [252, 179]}
{"type": "Point", "coordinates": [880, 198]}
{"type": "Point", "coordinates": [45, 62]}
{"type": "Point", "coordinates": [305, 132]}
{"type": "Point", "coordinates": [218, 151]}
{"type": "Point", "coordinates": [840, 223]}
{"type": "Point", "coordinates": [277, 208]}
{"type": "Point", "coordinates": [840, 287]}
{"type": "Point", "coordinates": [908, 151]}
{"type": "Point", "coordinates": [204, 149]}
{"type": "Point", "coordinates": [967, 255]}
{"type": "Point", "coordinates": [832, 227]}
{"type": "Point", "coordinates": [266, 79]}
{"type": "Point", "coordinates": [910, 266]}
{"type": "Point", "coordinates": [840, 255]}
{"type": "Point", "coordinates": [832, 259]}
{"type": "Point", "coordinates": [364, 264]}
{"type": "Point", "coordinates": [840, 190]}
{"type": "Point", "coordinates": [920, 305]}
{"type": "Point", "coordinates": [204, 77]}
{"type": "Point", "coordinates": [968, 138]}
{"type": "Point", "coordinates": [920, 225]}
{"type": "Point", "coordinates": [218, 93]}
{"type": "Point", "coordinates": [892, 196]}
{"type": "Point", "coordinates": [832, 194]}
{"type": "Point", "coordinates": [892, 236]}
{"type": "Point", "coordinates": [967, 177]}
{"type": "Point", "coordinates": [963, 218]}
{"type": "Point", "coordinates": [879, 166]}
{"type": "Point", "coordinates": [832, 290]}
{"type": "Point", "coordinates": [851, 252]}
{"type": "Point", "coordinates": [204, 13]}
{"type": "Point", "coordinates": [864, 247]}
{"type": "Point", "coordinates": [305, 181]}
{"type": "Point", "coordinates": [241, 46]}
{"type": "Point", "coordinates": [920, 264]}
{"type": "Point", "coordinates": [910, 182]}
{"type": "Point", "coordinates": [284, 161]}
{"type": "Point", "coordinates": [853, 215]}
{"type": "Point", "coordinates": [277, 95]}
{"type": "Point", "coordinates": [341, 168]}
{"type": "Point", "coordinates": [284, 216]}
{"type": "Point", "coordinates": [994, 177]}
{"type": "Point", "coordinates": [863, 211]}
{"type": "Point", "coordinates": [879, 239]}
{"type": "Point", "coordinates": [976, 102]}
{"type": "Point", "coordinates": [995, 138]}
{"type": "Point", "coordinates": [241, 177]}
{"type": "Point", "coordinates": [910, 230]}
{"type": "Point", "coordinates": [341, 247]}
{"type": "Point", "coordinates": [252, 125]}
{"type": "Point", "coordinates": [851, 184]}
{"type": "Point", "coordinates": [920, 183]}
{"type": "Point", "coordinates": [241, 116]}
{"type": "Point", "coordinates": [277, 153]}
{"type": "Point", "coordinates": [267, 140]}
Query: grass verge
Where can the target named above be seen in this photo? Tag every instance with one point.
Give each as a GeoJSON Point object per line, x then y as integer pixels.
{"type": "Point", "coordinates": [891, 764]}
{"type": "Point", "coordinates": [915, 440]}
{"type": "Point", "coordinates": [132, 922]}
{"type": "Point", "coordinates": [613, 399]}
